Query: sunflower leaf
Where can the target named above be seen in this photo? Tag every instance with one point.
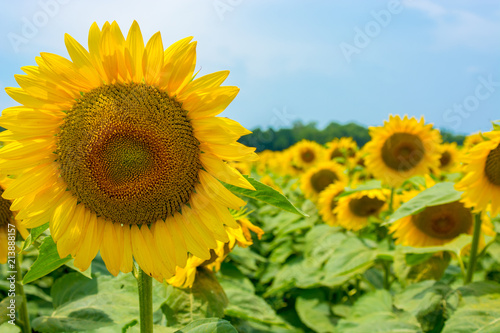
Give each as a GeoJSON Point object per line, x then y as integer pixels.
{"type": "Point", "coordinates": [47, 261]}
{"type": "Point", "coordinates": [265, 194]}
{"type": "Point", "coordinates": [369, 185]}
{"type": "Point", "coordinates": [34, 234]}
{"type": "Point", "coordinates": [208, 325]}
{"type": "Point", "coordinates": [314, 311]}
{"type": "Point", "coordinates": [439, 194]}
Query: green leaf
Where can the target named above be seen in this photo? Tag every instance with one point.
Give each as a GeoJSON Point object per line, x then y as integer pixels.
{"type": "Point", "coordinates": [265, 194]}
{"type": "Point", "coordinates": [87, 273]}
{"type": "Point", "coordinates": [454, 246]}
{"type": "Point", "coordinates": [439, 194]}
{"type": "Point", "coordinates": [350, 258]}
{"type": "Point", "coordinates": [369, 185]}
{"type": "Point", "coordinates": [314, 310]}
{"type": "Point", "coordinates": [427, 301]}
{"type": "Point", "coordinates": [479, 309]}
{"type": "Point", "coordinates": [244, 304]}
{"type": "Point", "coordinates": [208, 325]}
{"type": "Point", "coordinates": [205, 299]}
{"type": "Point", "coordinates": [373, 312]}
{"type": "Point", "coordinates": [34, 234]}
{"type": "Point", "coordinates": [48, 260]}
{"type": "Point", "coordinates": [82, 304]}
{"type": "Point", "coordinates": [481, 317]}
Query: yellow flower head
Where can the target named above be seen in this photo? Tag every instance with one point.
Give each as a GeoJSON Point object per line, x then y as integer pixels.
{"type": "Point", "coordinates": [121, 150]}
{"type": "Point", "coordinates": [481, 184]}
{"type": "Point", "coordinates": [327, 202]}
{"type": "Point", "coordinates": [306, 153]}
{"type": "Point", "coordinates": [355, 210]}
{"type": "Point", "coordinates": [317, 178]}
{"type": "Point", "coordinates": [436, 225]}
{"type": "Point", "coordinates": [402, 148]}
{"type": "Point", "coordinates": [450, 157]}
{"type": "Point", "coordinates": [344, 148]}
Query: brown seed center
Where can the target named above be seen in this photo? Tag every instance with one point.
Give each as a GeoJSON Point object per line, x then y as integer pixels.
{"type": "Point", "coordinates": [366, 206]}
{"type": "Point", "coordinates": [127, 151]}
{"type": "Point", "coordinates": [321, 179]}
{"type": "Point", "coordinates": [445, 221]}
{"type": "Point", "coordinates": [402, 151]}
{"type": "Point", "coordinates": [492, 166]}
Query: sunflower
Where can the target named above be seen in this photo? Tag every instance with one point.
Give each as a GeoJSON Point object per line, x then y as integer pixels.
{"type": "Point", "coordinates": [306, 154]}
{"type": "Point", "coordinates": [402, 148]}
{"type": "Point", "coordinates": [327, 202]}
{"type": "Point", "coordinates": [436, 225]}
{"type": "Point", "coordinates": [449, 159]}
{"type": "Point", "coordinates": [341, 149]}
{"type": "Point", "coordinates": [473, 139]}
{"type": "Point", "coordinates": [121, 151]}
{"type": "Point", "coordinates": [481, 184]}
{"type": "Point", "coordinates": [317, 178]}
{"type": "Point", "coordinates": [184, 276]}
{"type": "Point", "coordinates": [355, 210]}
{"type": "Point", "coordinates": [8, 224]}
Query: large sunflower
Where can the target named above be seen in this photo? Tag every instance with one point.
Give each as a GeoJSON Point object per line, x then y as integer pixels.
{"type": "Point", "coordinates": [402, 148]}
{"type": "Point", "coordinates": [481, 184]}
{"type": "Point", "coordinates": [355, 210]}
{"type": "Point", "coordinates": [317, 178]}
{"type": "Point", "coordinates": [436, 225]}
{"type": "Point", "coordinates": [121, 151]}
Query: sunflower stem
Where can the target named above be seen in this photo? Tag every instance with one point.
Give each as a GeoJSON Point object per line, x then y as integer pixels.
{"type": "Point", "coordinates": [145, 287]}
{"type": "Point", "coordinates": [391, 201]}
{"type": "Point", "coordinates": [23, 309]}
{"type": "Point", "coordinates": [473, 249]}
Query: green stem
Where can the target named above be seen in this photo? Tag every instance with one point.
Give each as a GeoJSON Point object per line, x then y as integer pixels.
{"type": "Point", "coordinates": [145, 286]}
{"type": "Point", "coordinates": [23, 310]}
{"type": "Point", "coordinates": [391, 201]}
{"type": "Point", "coordinates": [473, 249]}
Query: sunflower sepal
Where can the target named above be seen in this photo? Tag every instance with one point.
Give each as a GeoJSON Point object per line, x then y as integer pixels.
{"type": "Point", "coordinates": [265, 194]}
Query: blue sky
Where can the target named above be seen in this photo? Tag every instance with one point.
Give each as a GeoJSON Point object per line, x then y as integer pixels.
{"type": "Point", "coordinates": [316, 61]}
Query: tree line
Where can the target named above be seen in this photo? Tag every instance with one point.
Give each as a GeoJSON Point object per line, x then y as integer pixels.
{"type": "Point", "coordinates": [271, 139]}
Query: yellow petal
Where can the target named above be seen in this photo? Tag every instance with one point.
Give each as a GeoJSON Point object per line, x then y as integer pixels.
{"type": "Point", "coordinates": [208, 102]}
{"type": "Point", "coordinates": [110, 252]}
{"type": "Point", "coordinates": [32, 180]}
{"type": "Point", "coordinates": [152, 61]}
{"type": "Point", "coordinates": [208, 81]}
{"type": "Point", "coordinates": [135, 48]}
{"type": "Point", "coordinates": [219, 192]}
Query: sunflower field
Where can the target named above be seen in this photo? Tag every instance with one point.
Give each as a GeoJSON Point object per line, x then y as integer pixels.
{"type": "Point", "coordinates": [129, 206]}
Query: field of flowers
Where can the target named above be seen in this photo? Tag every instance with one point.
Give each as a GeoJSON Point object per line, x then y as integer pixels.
{"type": "Point", "coordinates": [129, 206]}
{"type": "Point", "coordinates": [382, 241]}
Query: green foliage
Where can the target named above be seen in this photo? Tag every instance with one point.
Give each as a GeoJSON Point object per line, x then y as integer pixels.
{"type": "Point", "coordinates": [48, 260]}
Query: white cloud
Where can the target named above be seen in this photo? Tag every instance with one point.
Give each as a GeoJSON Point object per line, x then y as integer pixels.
{"type": "Point", "coordinates": [459, 27]}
